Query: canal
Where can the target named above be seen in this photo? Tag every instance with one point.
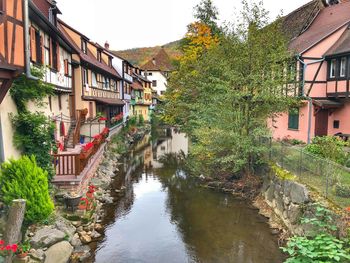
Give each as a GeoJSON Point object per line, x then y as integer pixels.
{"type": "Point", "coordinates": [165, 216]}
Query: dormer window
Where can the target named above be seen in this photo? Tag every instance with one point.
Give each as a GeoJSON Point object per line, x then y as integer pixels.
{"type": "Point", "coordinates": [110, 61]}
{"type": "Point", "coordinates": [332, 68]}
{"type": "Point", "coordinates": [343, 61]}
{"type": "Point", "coordinates": [84, 46]}
{"type": "Point", "coordinates": [52, 16]}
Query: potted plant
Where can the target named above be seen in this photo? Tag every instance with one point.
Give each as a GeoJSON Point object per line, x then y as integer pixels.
{"type": "Point", "coordinates": [86, 150]}
{"type": "Point", "coordinates": [23, 249]}
{"type": "Point", "coordinates": [72, 200]}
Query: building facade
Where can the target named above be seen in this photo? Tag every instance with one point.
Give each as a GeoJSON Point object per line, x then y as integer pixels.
{"type": "Point", "coordinates": [322, 73]}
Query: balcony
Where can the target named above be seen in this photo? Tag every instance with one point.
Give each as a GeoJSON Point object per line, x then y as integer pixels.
{"type": "Point", "coordinates": [100, 93]}
{"type": "Point", "coordinates": [127, 77]}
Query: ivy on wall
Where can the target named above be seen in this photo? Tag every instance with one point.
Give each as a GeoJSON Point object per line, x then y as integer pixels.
{"type": "Point", "coordinates": [34, 132]}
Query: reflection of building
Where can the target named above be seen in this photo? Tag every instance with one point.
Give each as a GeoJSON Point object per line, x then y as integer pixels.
{"type": "Point", "coordinates": [170, 141]}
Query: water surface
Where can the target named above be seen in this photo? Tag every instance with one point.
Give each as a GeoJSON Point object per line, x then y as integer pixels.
{"type": "Point", "coordinates": [166, 217]}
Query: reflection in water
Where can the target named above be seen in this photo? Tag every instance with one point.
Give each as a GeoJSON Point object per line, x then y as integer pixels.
{"type": "Point", "coordinates": [166, 217]}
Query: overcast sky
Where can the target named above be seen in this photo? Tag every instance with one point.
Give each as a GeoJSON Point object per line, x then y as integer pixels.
{"type": "Point", "coordinates": [139, 23]}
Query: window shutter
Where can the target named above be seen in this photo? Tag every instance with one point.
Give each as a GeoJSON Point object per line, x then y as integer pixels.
{"type": "Point", "coordinates": [32, 44]}
{"type": "Point", "coordinates": [66, 67]}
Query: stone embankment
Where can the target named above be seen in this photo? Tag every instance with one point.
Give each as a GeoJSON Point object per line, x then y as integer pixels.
{"type": "Point", "coordinates": [67, 235]}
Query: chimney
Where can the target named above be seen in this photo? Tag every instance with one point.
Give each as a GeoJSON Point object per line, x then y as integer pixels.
{"type": "Point", "coordinates": [106, 45]}
{"type": "Point", "coordinates": [154, 61]}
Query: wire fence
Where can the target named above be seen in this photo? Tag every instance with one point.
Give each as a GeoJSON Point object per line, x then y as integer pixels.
{"type": "Point", "coordinates": [326, 177]}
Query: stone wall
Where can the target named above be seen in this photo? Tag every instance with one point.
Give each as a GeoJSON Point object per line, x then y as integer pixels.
{"type": "Point", "coordinates": [290, 200]}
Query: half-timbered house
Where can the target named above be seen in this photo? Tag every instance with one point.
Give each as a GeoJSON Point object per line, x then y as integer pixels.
{"type": "Point", "coordinates": [319, 33]}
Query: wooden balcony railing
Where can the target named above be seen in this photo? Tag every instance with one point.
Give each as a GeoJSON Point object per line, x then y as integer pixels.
{"type": "Point", "coordinates": [67, 164]}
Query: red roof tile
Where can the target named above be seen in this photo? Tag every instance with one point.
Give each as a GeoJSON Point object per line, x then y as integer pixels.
{"type": "Point", "coordinates": [327, 21]}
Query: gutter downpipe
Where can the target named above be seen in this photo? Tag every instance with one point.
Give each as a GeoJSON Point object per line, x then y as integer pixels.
{"type": "Point", "coordinates": [306, 96]}
{"type": "Point", "coordinates": [26, 41]}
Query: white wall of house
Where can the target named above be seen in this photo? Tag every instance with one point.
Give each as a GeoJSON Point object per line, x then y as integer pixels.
{"type": "Point", "coordinates": [161, 80]}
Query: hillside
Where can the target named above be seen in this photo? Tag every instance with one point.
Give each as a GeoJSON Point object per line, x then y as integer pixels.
{"type": "Point", "coordinates": [139, 56]}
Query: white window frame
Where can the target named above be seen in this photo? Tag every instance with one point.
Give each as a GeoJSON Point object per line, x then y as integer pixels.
{"type": "Point", "coordinates": [94, 80]}
{"type": "Point", "coordinates": [332, 69]}
{"type": "Point", "coordinates": [343, 62]}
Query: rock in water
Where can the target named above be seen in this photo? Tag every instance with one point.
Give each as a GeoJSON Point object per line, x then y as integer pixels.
{"type": "Point", "coordinates": [59, 253]}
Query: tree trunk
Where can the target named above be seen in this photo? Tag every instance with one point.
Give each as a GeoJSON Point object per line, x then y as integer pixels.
{"type": "Point", "coordinates": [14, 224]}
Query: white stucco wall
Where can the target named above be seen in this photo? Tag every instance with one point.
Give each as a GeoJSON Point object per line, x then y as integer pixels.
{"type": "Point", "coordinates": [161, 81]}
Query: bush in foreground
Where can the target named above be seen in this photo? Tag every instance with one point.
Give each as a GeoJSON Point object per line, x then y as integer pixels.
{"type": "Point", "coordinates": [24, 179]}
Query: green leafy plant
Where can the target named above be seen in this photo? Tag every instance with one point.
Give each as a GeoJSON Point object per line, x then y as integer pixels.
{"type": "Point", "coordinates": [328, 147]}
{"type": "Point", "coordinates": [24, 179]}
{"type": "Point", "coordinates": [34, 132]}
{"type": "Point", "coordinates": [34, 136]}
{"type": "Point", "coordinates": [321, 246]}
{"type": "Point", "coordinates": [342, 190]}
{"type": "Point", "coordinates": [23, 247]}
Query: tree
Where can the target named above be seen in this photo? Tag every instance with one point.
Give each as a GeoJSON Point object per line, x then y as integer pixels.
{"type": "Point", "coordinates": [206, 13]}
{"type": "Point", "coordinates": [223, 96]}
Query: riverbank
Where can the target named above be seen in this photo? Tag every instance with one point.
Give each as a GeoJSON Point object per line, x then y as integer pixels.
{"type": "Point", "coordinates": [66, 235]}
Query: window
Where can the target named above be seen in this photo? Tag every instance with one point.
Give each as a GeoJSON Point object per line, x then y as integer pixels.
{"type": "Point", "coordinates": [39, 56]}
{"type": "Point", "coordinates": [293, 119]}
{"type": "Point", "coordinates": [110, 61]}
{"type": "Point", "coordinates": [84, 46]}
{"type": "Point", "coordinates": [343, 67]}
{"type": "Point", "coordinates": [107, 83]}
{"type": "Point", "coordinates": [54, 56]}
{"type": "Point", "coordinates": [149, 73]}
{"type": "Point", "coordinates": [1, 6]}
{"type": "Point", "coordinates": [85, 76]}
{"type": "Point", "coordinates": [59, 102]}
{"type": "Point", "coordinates": [50, 103]}
{"type": "Point", "coordinates": [332, 68]}
{"type": "Point", "coordinates": [94, 79]}
{"type": "Point", "coordinates": [47, 50]}
{"type": "Point", "coordinates": [154, 83]}
{"type": "Point", "coordinates": [336, 124]}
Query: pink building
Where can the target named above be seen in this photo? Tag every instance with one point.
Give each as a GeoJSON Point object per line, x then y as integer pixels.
{"type": "Point", "coordinates": [320, 39]}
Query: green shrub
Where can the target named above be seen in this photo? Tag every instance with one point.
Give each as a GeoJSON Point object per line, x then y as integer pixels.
{"type": "Point", "coordinates": [132, 121]}
{"type": "Point", "coordinates": [24, 179]}
{"type": "Point", "coordinates": [141, 120]}
{"type": "Point", "coordinates": [342, 190]}
{"type": "Point", "coordinates": [328, 147]}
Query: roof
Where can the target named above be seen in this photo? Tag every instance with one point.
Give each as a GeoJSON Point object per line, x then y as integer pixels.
{"type": "Point", "coordinates": [328, 20]}
{"type": "Point", "coordinates": [295, 22]}
{"type": "Point", "coordinates": [342, 45]}
{"type": "Point", "coordinates": [136, 85]}
{"type": "Point", "coordinates": [89, 57]}
{"type": "Point", "coordinates": [44, 6]}
{"type": "Point", "coordinates": [328, 104]}
{"type": "Point", "coordinates": [107, 101]}
{"type": "Point", "coordinates": [161, 62]}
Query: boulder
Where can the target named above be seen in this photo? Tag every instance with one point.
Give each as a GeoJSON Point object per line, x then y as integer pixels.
{"type": "Point", "coordinates": [294, 213]}
{"type": "Point", "coordinates": [95, 235]}
{"type": "Point", "coordinates": [46, 237]}
{"type": "Point", "coordinates": [299, 194]}
{"type": "Point", "coordinates": [37, 254]}
{"type": "Point", "coordinates": [59, 253]}
{"type": "Point", "coordinates": [65, 226]}
{"type": "Point", "coordinates": [98, 227]}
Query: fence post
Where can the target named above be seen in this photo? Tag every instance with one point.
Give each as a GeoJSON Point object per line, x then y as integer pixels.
{"type": "Point", "coordinates": [282, 154]}
{"type": "Point", "coordinates": [327, 177]}
{"type": "Point", "coordinates": [14, 224]}
{"type": "Point", "coordinates": [300, 162]}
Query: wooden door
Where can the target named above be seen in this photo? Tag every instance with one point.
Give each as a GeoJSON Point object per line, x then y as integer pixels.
{"type": "Point", "coordinates": [321, 123]}
{"type": "Point", "coordinates": [72, 106]}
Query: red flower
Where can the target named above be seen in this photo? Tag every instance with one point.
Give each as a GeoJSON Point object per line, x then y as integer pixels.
{"type": "Point", "coordinates": [2, 242]}
{"type": "Point", "coordinates": [88, 146]}
{"type": "Point", "coordinates": [347, 209]}
{"type": "Point", "coordinates": [102, 119]}
{"type": "Point", "coordinates": [14, 248]}
{"type": "Point", "coordinates": [8, 247]}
